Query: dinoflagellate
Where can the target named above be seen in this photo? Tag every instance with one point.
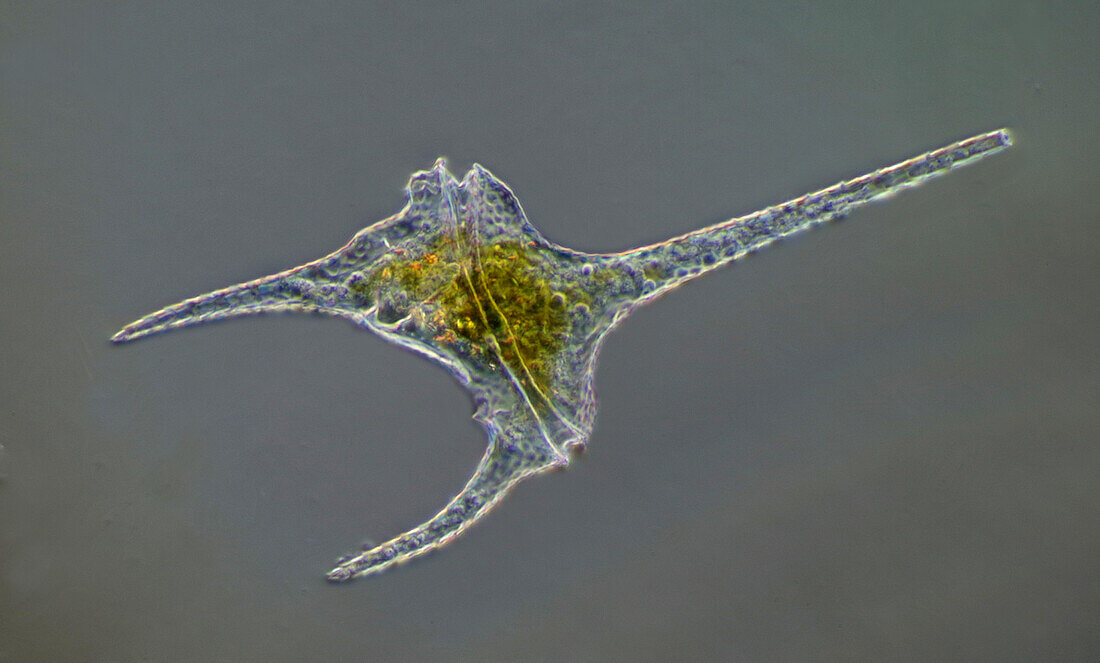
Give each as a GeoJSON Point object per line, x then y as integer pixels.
{"type": "Point", "coordinates": [460, 276]}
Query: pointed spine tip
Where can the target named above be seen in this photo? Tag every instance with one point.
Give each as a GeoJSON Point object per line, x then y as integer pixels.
{"type": "Point", "coordinates": [339, 575]}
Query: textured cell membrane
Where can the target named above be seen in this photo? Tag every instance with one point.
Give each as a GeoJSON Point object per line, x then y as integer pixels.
{"type": "Point", "coordinates": [460, 275]}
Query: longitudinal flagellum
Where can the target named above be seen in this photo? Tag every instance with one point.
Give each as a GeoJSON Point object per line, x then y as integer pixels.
{"type": "Point", "coordinates": [460, 276]}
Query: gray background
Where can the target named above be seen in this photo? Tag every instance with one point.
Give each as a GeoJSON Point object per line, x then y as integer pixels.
{"type": "Point", "coordinates": [876, 441]}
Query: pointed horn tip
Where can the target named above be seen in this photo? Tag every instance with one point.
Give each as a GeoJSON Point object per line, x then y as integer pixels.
{"type": "Point", "coordinates": [129, 333]}
{"type": "Point", "coordinates": [339, 574]}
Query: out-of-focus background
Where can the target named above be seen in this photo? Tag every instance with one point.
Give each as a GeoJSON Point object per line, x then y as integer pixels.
{"type": "Point", "coordinates": [877, 441]}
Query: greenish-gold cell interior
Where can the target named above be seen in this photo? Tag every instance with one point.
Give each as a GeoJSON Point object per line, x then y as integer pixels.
{"type": "Point", "coordinates": [504, 291]}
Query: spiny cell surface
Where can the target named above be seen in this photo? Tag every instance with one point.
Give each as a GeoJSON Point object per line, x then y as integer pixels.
{"type": "Point", "coordinates": [459, 275]}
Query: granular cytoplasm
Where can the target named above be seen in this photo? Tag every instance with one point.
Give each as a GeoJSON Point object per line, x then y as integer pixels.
{"type": "Point", "coordinates": [460, 275]}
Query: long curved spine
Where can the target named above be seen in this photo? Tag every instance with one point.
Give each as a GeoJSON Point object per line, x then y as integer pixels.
{"type": "Point", "coordinates": [672, 262]}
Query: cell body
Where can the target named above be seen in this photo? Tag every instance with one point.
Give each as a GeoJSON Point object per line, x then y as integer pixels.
{"type": "Point", "coordinates": [460, 276]}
